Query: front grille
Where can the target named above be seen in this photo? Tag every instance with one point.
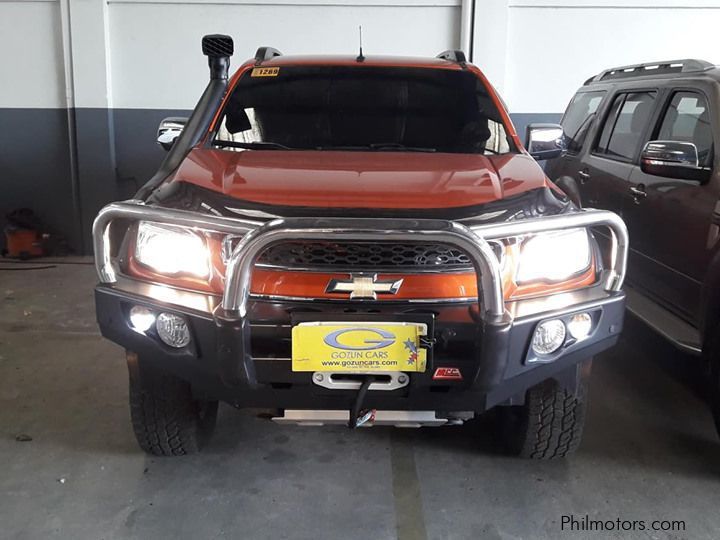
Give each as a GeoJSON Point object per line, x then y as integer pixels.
{"type": "Point", "coordinates": [369, 256]}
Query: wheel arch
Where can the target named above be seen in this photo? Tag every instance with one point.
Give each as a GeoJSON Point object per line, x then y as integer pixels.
{"type": "Point", "coordinates": [710, 303]}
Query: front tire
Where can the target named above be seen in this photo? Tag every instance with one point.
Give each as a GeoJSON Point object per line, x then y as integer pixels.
{"type": "Point", "coordinates": [713, 356]}
{"type": "Point", "coordinates": [167, 420]}
{"type": "Point", "coordinates": [715, 395]}
{"type": "Point", "coordinates": [548, 426]}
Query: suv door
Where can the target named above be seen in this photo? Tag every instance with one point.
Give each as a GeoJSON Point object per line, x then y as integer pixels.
{"type": "Point", "coordinates": [669, 219]}
{"type": "Point", "coordinates": [608, 165]}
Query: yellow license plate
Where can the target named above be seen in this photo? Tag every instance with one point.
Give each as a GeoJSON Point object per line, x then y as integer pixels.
{"type": "Point", "coordinates": [358, 347]}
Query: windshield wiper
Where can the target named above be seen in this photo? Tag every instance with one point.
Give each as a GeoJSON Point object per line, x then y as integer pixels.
{"type": "Point", "coordinates": [400, 147]}
{"type": "Point", "coordinates": [349, 148]}
{"type": "Point", "coordinates": [377, 147]}
{"type": "Point", "coordinates": [258, 145]}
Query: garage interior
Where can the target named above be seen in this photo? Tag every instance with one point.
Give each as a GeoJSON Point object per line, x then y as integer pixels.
{"type": "Point", "coordinates": [80, 108]}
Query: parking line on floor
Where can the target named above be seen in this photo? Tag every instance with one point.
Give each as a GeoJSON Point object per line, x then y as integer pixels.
{"type": "Point", "coordinates": [406, 488]}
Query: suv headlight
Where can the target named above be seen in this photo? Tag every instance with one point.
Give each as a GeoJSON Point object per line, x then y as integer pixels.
{"type": "Point", "coordinates": [554, 256]}
{"type": "Point", "coordinates": [172, 250]}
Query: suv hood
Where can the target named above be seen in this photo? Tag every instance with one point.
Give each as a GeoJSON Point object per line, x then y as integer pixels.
{"type": "Point", "coordinates": [334, 179]}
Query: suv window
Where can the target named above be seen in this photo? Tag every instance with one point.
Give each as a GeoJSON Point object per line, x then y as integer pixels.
{"type": "Point", "coordinates": [363, 109]}
{"type": "Point", "coordinates": [687, 119]}
{"type": "Point", "coordinates": [579, 117]}
{"type": "Point", "coordinates": [629, 116]}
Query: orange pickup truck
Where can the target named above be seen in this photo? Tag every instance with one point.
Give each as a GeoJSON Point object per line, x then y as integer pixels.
{"type": "Point", "coordinates": [362, 241]}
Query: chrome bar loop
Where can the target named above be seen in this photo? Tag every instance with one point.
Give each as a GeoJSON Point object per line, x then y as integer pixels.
{"type": "Point", "coordinates": [585, 218]}
{"type": "Point", "coordinates": [139, 211]}
{"type": "Point", "coordinates": [258, 236]}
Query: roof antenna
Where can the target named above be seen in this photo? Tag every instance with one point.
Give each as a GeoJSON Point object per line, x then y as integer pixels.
{"type": "Point", "coordinates": [360, 57]}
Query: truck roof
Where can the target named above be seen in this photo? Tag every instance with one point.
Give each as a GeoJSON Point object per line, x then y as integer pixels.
{"type": "Point", "coordinates": [348, 60]}
{"type": "Point", "coordinates": [268, 56]}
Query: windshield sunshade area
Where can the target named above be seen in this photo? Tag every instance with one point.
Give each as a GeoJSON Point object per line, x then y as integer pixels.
{"type": "Point", "coordinates": [362, 109]}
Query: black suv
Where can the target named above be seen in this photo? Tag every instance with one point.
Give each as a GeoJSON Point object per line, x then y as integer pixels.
{"type": "Point", "coordinates": [640, 142]}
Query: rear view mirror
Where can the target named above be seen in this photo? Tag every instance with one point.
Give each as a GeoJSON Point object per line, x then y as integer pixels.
{"type": "Point", "coordinates": [169, 130]}
{"type": "Point", "coordinates": [673, 159]}
{"type": "Point", "coordinates": [545, 141]}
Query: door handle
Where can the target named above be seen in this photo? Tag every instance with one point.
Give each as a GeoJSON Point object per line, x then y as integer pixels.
{"type": "Point", "coordinates": [638, 193]}
{"type": "Point", "coordinates": [584, 176]}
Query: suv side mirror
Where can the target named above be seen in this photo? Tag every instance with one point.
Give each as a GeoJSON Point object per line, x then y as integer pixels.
{"type": "Point", "coordinates": [673, 159]}
{"type": "Point", "coordinates": [545, 141]}
{"type": "Point", "coordinates": [169, 130]}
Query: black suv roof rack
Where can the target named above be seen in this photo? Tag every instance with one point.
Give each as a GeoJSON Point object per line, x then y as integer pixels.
{"type": "Point", "coordinates": [455, 55]}
{"type": "Point", "coordinates": [265, 53]}
{"type": "Point", "coordinates": [668, 67]}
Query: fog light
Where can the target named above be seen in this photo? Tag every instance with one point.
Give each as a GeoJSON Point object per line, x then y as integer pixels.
{"type": "Point", "coordinates": [579, 325]}
{"type": "Point", "coordinates": [141, 319]}
{"type": "Point", "coordinates": [173, 330]}
{"type": "Point", "coordinates": [549, 336]}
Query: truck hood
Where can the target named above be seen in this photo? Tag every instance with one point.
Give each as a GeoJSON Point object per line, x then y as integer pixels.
{"type": "Point", "coordinates": [388, 180]}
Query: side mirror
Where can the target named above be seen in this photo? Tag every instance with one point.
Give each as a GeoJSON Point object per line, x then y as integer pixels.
{"type": "Point", "coordinates": [673, 159]}
{"type": "Point", "coordinates": [545, 141]}
{"type": "Point", "coordinates": [169, 130]}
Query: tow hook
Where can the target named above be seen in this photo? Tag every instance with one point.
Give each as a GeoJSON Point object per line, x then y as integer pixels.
{"type": "Point", "coordinates": [359, 416]}
{"type": "Point", "coordinates": [366, 415]}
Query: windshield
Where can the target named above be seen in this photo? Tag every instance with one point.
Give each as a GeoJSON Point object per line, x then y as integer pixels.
{"type": "Point", "coordinates": [579, 116]}
{"type": "Point", "coordinates": [361, 108]}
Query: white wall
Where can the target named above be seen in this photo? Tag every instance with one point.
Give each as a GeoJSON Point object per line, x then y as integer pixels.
{"type": "Point", "coordinates": [155, 45]}
{"type": "Point", "coordinates": [31, 56]}
{"type": "Point", "coordinates": [145, 53]}
{"type": "Point", "coordinates": [553, 46]}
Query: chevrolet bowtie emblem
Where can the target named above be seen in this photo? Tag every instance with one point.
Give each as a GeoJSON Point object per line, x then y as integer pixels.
{"type": "Point", "coordinates": [363, 286]}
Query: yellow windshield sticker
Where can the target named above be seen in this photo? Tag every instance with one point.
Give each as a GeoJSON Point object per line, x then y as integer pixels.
{"type": "Point", "coordinates": [265, 72]}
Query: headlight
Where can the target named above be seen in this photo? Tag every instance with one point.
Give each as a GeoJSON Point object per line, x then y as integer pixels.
{"type": "Point", "coordinates": [172, 250]}
{"type": "Point", "coordinates": [554, 256]}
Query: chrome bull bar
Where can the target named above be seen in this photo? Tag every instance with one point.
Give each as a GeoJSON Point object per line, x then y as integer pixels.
{"type": "Point", "coordinates": [259, 236]}
{"type": "Point", "coordinates": [482, 256]}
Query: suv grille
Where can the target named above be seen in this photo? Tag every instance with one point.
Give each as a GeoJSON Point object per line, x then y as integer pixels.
{"type": "Point", "coordinates": [365, 256]}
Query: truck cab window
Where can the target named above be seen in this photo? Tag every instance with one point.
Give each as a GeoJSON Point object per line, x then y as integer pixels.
{"type": "Point", "coordinates": [622, 133]}
{"type": "Point", "coordinates": [687, 119]}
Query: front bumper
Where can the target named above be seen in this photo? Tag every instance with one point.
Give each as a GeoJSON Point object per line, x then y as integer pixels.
{"type": "Point", "coordinates": [494, 359]}
{"type": "Point", "coordinates": [239, 350]}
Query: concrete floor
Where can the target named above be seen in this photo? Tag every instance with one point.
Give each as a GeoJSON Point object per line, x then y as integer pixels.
{"type": "Point", "coordinates": [650, 452]}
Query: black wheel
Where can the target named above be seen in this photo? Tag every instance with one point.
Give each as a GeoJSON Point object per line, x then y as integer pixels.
{"type": "Point", "coordinates": [715, 394]}
{"type": "Point", "coordinates": [713, 357]}
{"type": "Point", "coordinates": [166, 419]}
{"type": "Point", "coordinates": [548, 426]}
